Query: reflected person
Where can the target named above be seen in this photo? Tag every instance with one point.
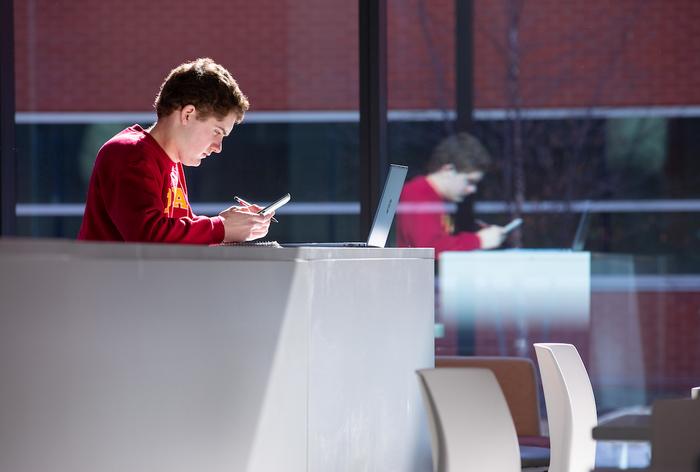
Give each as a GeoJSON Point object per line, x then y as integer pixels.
{"type": "Point", "coordinates": [454, 171]}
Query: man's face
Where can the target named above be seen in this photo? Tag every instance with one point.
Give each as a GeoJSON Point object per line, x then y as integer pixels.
{"type": "Point", "coordinates": [199, 138]}
{"type": "Point", "coordinates": [457, 185]}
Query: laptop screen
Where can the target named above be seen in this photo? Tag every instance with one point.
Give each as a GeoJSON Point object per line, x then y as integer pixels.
{"type": "Point", "coordinates": [386, 209]}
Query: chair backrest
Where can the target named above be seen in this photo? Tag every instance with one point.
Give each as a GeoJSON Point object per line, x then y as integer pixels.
{"type": "Point", "coordinates": [517, 378]}
{"type": "Point", "coordinates": [470, 425]}
{"type": "Point", "coordinates": [571, 410]}
{"type": "Point", "coordinates": [675, 435]}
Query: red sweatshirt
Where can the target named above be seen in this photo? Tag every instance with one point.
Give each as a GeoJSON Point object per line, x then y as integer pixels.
{"type": "Point", "coordinates": [422, 221]}
{"type": "Point", "coordinates": [137, 193]}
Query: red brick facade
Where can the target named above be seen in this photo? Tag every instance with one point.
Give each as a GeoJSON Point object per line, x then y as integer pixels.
{"type": "Point", "coordinates": [303, 55]}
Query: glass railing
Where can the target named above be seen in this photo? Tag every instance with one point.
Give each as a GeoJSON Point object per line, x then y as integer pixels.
{"type": "Point", "coordinates": [634, 319]}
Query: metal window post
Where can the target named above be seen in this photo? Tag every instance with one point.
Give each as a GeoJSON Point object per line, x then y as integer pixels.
{"type": "Point", "coordinates": [8, 195]}
{"type": "Point", "coordinates": [373, 106]}
{"type": "Point", "coordinates": [464, 86]}
{"type": "Point", "coordinates": [464, 63]}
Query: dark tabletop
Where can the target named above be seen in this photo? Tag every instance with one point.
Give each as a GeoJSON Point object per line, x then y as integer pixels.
{"type": "Point", "coordinates": [632, 427]}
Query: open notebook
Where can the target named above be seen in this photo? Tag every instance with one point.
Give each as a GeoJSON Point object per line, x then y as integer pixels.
{"type": "Point", "coordinates": [383, 217]}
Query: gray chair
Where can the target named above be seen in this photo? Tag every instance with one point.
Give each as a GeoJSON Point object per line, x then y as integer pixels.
{"type": "Point", "coordinates": [675, 436]}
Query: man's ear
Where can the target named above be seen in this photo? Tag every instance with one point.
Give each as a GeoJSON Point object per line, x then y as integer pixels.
{"type": "Point", "coordinates": [187, 114]}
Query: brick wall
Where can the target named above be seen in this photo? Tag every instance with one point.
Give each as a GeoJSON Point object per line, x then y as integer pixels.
{"type": "Point", "coordinates": [302, 55]}
{"type": "Point", "coordinates": [602, 52]}
{"type": "Point", "coordinates": [112, 55]}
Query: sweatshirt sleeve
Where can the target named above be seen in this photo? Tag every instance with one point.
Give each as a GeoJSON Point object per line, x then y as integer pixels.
{"type": "Point", "coordinates": [135, 205]}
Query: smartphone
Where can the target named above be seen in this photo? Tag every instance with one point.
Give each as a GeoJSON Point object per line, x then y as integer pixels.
{"type": "Point", "coordinates": [275, 205]}
{"type": "Point", "coordinates": [512, 225]}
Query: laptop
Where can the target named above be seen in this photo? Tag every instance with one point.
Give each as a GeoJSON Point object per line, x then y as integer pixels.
{"type": "Point", "coordinates": [579, 241]}
{"type": "Point", "coordinates": [383, 216]}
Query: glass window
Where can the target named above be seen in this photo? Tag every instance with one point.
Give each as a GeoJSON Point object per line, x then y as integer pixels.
{"type": "Point", "coordinates": [577, 120]}
{"type": "Point", "coordinates": [296, 63]}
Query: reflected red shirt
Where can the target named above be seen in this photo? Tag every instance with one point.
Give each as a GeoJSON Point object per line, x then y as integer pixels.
{"type": "Point", "coordinates": [422, 220]}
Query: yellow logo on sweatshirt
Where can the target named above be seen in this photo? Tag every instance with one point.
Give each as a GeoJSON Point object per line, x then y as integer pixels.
{"type": "Point", "coordinates": [178, 202]}
{"type": "Point", "coordinates": [448, 225]}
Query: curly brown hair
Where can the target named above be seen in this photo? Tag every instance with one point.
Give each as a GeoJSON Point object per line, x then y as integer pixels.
{"type": "Point", "coordinates": [206, 85]}
{"type": "Point", "coordinates": [463, 151]}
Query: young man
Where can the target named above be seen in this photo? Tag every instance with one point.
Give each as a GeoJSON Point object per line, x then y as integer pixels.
{"type": "Point", "coordinates": [455, 169]}
{"type": "Point", "coordinates": [137, 190]}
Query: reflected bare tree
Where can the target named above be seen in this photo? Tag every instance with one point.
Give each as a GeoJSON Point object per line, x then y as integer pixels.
{"type": "Point", "coordinates": [562, 157]}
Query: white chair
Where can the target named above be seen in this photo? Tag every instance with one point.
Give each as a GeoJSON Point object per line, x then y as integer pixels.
{"type": "Point", "coordinates": [470, 424]}
{"type": "Point", "coordinates": [518, 381]}
{"type": "Point", "coordinates": [571, 410]}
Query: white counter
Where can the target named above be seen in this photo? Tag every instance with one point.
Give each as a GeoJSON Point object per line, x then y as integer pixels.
{"type": "Point", "coordinates": [146, 357]}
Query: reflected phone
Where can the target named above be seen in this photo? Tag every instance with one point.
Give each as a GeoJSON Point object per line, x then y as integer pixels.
{"type": "Point", "coordinates": [512, 225]}
{"type": "Point", "coordinates": [275, 205]}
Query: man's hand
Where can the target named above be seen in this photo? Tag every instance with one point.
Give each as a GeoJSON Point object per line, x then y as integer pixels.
{"type": "Point", "coordinates": [491, 236]}
{"type": "Point", "coordinates": [244, 223]}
